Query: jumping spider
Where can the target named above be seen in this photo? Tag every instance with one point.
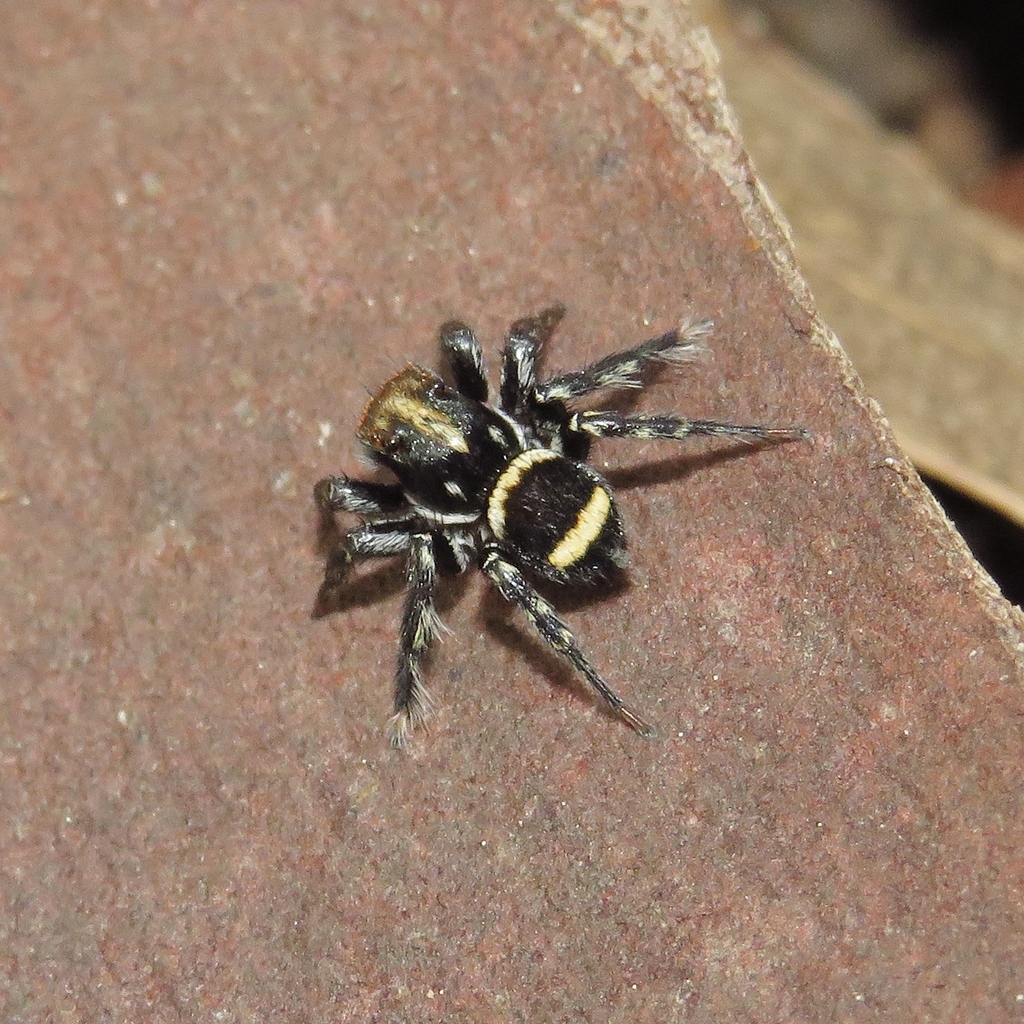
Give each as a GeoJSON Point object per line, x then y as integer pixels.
{"type": "Point", "coordinates": [504, 488]}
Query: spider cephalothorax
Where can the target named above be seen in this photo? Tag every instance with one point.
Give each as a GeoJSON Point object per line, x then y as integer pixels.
{"type": "Point", "coordinates": [504, 487]}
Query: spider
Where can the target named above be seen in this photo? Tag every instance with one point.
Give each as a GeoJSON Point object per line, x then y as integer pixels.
{"type": "Point", "coordinates": [504, 488]}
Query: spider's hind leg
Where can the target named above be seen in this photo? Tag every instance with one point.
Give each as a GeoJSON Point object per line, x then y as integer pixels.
{"type": "Point", "coordinates": [519, 358]}
{"type": "Point", "coordinates": [513, 586]}
{"type": "Point", "coordinates": [676, 428]}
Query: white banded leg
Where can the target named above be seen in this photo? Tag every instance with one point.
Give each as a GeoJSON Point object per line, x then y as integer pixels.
{"type": "Point", "coordinates": [340, 494]}
{"type": "Point", "coordinates": [519, 358]}
{"type": "Point", "coordinates": [419, 627]}
{"type": "Point", "coordinates": [465, 357]}
{"type": "Point", "coordinates": [624, 369]}
{"type": "Point", "coordinates": [675, 428]}
{"type": "Point", "coordinates": [513, 586]}
{"type": "Point", "coordinates": [371, 540]}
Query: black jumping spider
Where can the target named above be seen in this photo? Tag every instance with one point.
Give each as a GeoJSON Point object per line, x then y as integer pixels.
{"type": "Point", "coordinates": [504, 487]}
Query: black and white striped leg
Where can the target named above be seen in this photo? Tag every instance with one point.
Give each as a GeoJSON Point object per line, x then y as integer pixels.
{"type": "Point", "coordinates": [340, 494]}
{"type": "Point", "coordinates": [466, 359]}
{"type": "Point", "coordinates": [519, 358]}
{"type": "Point", "coordinates": [513, 586]}
{"type": "Point", "coordinates": [676, 428]}
{"type": "Point", "coordinates": [371, 540]}
{"type": "Point", "coordinates": [419, 627]}
{"type": "Point", "coordinates": [625, 369]}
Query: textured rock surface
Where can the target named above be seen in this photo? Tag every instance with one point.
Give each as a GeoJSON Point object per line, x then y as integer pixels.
{"type": "Point", "coordinates": [219, 225]}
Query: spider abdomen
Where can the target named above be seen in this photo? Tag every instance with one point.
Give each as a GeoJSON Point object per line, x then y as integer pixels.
{"type": "Point", "coordinates": [558, 517]}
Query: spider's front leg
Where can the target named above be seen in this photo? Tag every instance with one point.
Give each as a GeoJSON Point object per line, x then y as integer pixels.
{"type": "Point", "coordinates": [465, 357]}
{"type": "Point", "coordinates": [389, 536]}
{"type": "Point", "coordinates": [341, 494]}
{"type": "Point", "coordinates": [419, 627]}
{"type": "Point", "coordinates": [513, 586]}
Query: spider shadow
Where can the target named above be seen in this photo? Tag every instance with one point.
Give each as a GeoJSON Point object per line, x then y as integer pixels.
{"type": "Point", "coordinates": [362, 588]}
{"type": "Point", "coordinates": [682, 466]}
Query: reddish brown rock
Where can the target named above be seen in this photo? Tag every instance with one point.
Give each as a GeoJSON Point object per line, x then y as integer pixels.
{"type": "Point", "coordinates": [221, 225]}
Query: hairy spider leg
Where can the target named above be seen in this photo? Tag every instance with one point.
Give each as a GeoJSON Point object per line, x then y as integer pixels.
{"type": "Point", "coordinates": [386, 538]}
{"type": "Point", "coordinates": [383, 539]}
{"type": "Point", "coordinates": [465, 357]}
{"type": "Point", "coordinates": [419, 627]}
{"type": "Point", "coordinates": [675, 428]}
{"type": "Point", "coordinates": [519, 357]}
{"type": "Point", "coordinates": [513, 586]}
{"type": "Point", "coordinates": [341, 494]}
{"type": "Point", "coordinates": [624, 369]}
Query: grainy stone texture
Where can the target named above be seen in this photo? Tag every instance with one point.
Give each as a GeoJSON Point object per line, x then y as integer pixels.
{"type": "Point", "coordinates": [220, 224]}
